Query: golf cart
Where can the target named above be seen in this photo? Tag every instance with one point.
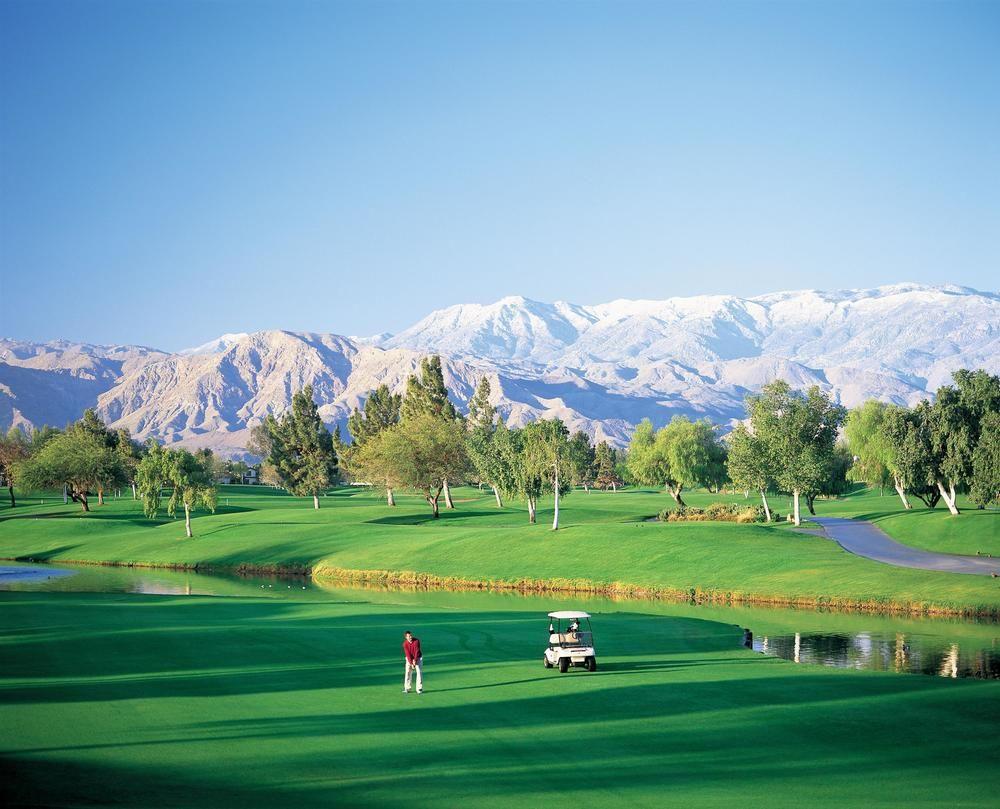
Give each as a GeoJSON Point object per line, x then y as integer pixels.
{"type": "Point", "coordinates": [571, 641]}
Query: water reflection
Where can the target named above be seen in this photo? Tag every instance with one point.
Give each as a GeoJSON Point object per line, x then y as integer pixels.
{"type": "Point", "coordinates": [914, 653]}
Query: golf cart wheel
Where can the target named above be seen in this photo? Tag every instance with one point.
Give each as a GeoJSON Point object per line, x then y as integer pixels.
{"type": "Point", "coordinates": [591, 664]}
{"type": "Point", "coordinates": [545, 662]}
{"type": "Point", "coordinates": [563, 665]}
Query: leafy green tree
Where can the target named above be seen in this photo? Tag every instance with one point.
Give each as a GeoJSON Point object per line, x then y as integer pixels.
{"type": "Point", "coordinates": [952, 434]}
{"type": "Point", "coordinates": [381, 411]}
{"type": "Point", "coordinates": [605, 461]}
{"type": "Point", "coordinates": [130, 454]}
{"type": "Point", "coordinates": [428, 395]}
{"type": "Point", "coordinates": [751, 465]}
{"type": "Point", "coordinates": [302, 451]}
{"type": "Point", "coordinates": [986, 462]}
{"type": "Point", "coordinates": [15, 448]}
{"type": "Point", "coordinates": [835, 482]}
{"type": "Point", "coordinates": [188, 477]}
{"type": "Point", "coordinates": [546, 459]}
{"type": "Point", "coordinates": [420, 453]}
{"type": "Point", "coordinates": [91, 425]}
{"type": "Point", "coordinates": [581, 457]}
{"type": "Point", "coordinates": [647, 461]}
{"type": "Point", "coordinates": [912, 458]}
{"type": "Point", "coordinates": [76, 459]}
{"type": "Point", "coordinates": [480, 444]}
{"type": "Point", "coordinates": [873, 457]}
{"type": "Point", "coordinates": [800, 431]}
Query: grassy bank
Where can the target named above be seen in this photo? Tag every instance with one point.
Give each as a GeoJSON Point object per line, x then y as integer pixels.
{"type": "Point", "coordinates": [197, 701]}
{"type": "Point", "coordinates": [605, 545]}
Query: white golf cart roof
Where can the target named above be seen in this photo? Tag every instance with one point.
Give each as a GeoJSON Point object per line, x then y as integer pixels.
{"type": "Point", "coordinates": [567, 614]}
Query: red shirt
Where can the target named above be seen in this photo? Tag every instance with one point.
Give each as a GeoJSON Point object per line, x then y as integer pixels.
{"type": "Point", "coordinates": [411, 650]}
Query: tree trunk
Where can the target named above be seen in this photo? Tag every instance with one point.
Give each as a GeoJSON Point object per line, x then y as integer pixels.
{"type": "Point", "coordinates": [949, 499]}
{"type": "Point", "coordinates": [767, 508]}
{"type": "Point", "coordinates": [795, 501]}
{"type": "Point", "coordinates": [187, 520]}
{"type": "Point", "coordinates": [811, 503]}
{"type": "Point", "coordinates": [496, 494]}
{"type": "Point", "coordinates": [389, 498]}
{"type": "Point", "coordinates": [448, 502]}
{"type": "Point", "coordinates": [614, 486]}
{"type": "Point", "coordinates": [555, 510]}
{"type": "Point", "coordinates": [100, 497]}
{"type": "Point", "coordinates": [10, 490]}
{"type": "Point", "coordinates": [435, 509]}
{"type": "Point", "coordinates": [79, 497]}
{"type": "Point", "coordinates": [676, 494]}
{"type": "Point", "coordinates": [531, 510]}
{"type": "Point", "coordinates": [586, 487]}
{"type": "Point", "coordinates": [135, 495]}
{"type": "Point", "coordinates": [902, 493]}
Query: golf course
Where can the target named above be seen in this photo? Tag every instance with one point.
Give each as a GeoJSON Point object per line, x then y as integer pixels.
{"type": "Point", "coordinates": [163, 686]}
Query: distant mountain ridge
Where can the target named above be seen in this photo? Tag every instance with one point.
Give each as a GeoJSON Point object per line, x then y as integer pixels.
{"type": "Point", "coordinates": [600, 368]}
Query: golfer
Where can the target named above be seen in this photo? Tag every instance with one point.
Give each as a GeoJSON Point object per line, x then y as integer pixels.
{"type": "Point", "coordinates": [414, 661]}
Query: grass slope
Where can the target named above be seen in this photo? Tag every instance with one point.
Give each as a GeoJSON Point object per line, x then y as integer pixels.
{"type": "Point", "coordinates": [196, 701]}
{"type": "Point", "coordinates": [604, 539]}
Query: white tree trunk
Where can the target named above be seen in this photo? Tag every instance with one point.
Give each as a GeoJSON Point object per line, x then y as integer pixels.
{"type": "Point", "coordinates": [767, 508]}
{"type": "Point", "coordinates": [555, 511]}
{"type": "Point", "coordinates": [448, 502]}
{"type": "Point", "coordinates": [795, 501]}
{"type": "Point", "coordinates": [531, 510]}
{"type": "Point", "coordinates": [389, 497]}
{"type": "Point", "coordinates": [949, 499]}
{"type": "Point", "coordinates": [316, 501]}
{"type": "Point", "coordinates": [901, 492]}
{"type": "Point", "coordinates": [496, 494]}
{"type": "Point", "coordinates": [65, 494]}
{"type": "Point", "coordinates": [187, 520]}
{"type": "Point", "coordinates": [614, 486]}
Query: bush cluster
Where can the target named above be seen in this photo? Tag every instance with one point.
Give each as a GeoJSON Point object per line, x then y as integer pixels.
{"type": "Point", "coordinates": [716, 512]}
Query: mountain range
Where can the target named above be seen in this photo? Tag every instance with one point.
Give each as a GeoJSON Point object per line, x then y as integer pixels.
{"type": "Point", "coordinates": [600, 368]}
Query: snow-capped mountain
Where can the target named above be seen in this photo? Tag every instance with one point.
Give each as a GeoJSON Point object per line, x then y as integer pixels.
{"type": "Point", "coordinates": [600, 368]}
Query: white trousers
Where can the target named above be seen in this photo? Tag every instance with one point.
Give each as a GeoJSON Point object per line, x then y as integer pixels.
{"type": "Point", "coordinates": [411, 667]}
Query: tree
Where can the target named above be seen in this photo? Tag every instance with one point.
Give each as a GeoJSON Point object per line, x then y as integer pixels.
{"type": "Point", "coordinates": [871, 448]}
{"type": "Point", "coordinates": [428, 395]}
{"type": "Point", "coordinates": [581, 460]}
{"type": "Point", "coordinates": [750, 464]}
{"type": "Point", "coordinates": [76, 459]}
{"type": "Point", "coordinates": [546, 462]}
{"type": "Point", "coordinates": [682, 454]}
{"type": "Point", "coordinates": [605, 476]}
{"type": "Point", "coordinates": [480, 443]}
{"type": "Point", "coordinates": [647, 462]}
{"type": "Point", "coordinates": [420, 453]}
{"type": "Point", "coordinates": [302, 448]}
{"type": "Point", "coordinates": [381, 411]}
{"type": "Point", "coordinates": [91, 425]}
{"type": "Point", "coordinates": [800, 431]}
{"type": "Point", "coordinates": [187, 475]}
{"type": "Point", "coordinates": [522, 480]}
{"type": "Point", "coordinates": [130, 453]}
{"type": "Point", "coordinates": [15, 448]}
{"type": "Point", "coordinates": [912, 456]}
{"type": "Point", "coordinates": [986, 462]}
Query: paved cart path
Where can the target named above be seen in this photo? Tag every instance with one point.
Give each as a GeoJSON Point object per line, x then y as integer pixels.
{"type": "Point", "coordinates": [864, 539]}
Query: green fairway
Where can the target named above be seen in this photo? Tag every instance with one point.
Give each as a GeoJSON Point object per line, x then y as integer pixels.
{"type": "Point", "coordinates": [198, 701]}
{"type": "Point", "coordinates": [605, 540]}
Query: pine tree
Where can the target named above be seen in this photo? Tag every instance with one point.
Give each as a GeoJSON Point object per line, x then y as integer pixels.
{"type": "Point", "coordinates": [302, 450]}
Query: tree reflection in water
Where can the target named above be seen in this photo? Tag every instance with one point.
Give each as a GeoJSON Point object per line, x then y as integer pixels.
{"type": "Point", "coordinates": [871, 651]}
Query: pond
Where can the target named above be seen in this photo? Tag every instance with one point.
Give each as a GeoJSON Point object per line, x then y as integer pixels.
{"type": "Point", "coordinates": [952, 648]}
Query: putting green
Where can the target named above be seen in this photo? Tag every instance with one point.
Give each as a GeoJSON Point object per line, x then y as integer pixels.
{"type": "Point", "coordinates": [223, 701]}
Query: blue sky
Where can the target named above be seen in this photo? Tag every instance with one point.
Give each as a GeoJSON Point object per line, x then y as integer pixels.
{"type": "Point", "coordinates": [170, 171]}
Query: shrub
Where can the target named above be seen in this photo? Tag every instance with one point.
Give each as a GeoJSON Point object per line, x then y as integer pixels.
{"type": "Point", "coordinates": [716, 512]}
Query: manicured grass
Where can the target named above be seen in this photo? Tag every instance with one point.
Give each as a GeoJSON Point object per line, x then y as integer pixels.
{"type": "Point", "coordinates": [196, 701]}
{"type": "Point", "coordinates": [604, 539]}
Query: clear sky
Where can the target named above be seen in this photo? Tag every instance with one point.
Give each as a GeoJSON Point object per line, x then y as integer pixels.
{"type": "Point", "coordinates": [170, 171]}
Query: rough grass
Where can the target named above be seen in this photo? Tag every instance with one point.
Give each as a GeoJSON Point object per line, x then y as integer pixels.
{"type": "Point", "coordinates": [606, 542]}
{"type": "Point", "coordinates": [138, 700]}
